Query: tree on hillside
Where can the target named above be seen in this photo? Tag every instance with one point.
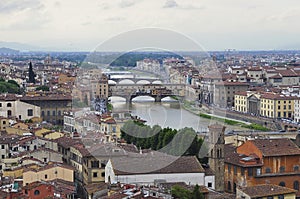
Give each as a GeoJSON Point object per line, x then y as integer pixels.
{"type": "Point", "coordinates": [31, 74]}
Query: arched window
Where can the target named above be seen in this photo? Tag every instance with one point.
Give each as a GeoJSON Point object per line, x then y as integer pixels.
{"type": "Point", "coordinates": [296, 168]}
{"type": "Point", "coordinates": [8, 104]}
{"type": "Point", "coordinates": [36, 192]}
{"type": "Point", "coordinates": [282, 184]}
{"type": "Point", "coordinates": [9, 113]}
{"type": "Point", "coordinates": [268, 170]}
{"type": "Point", "coordinates": [296, 185]}
{"type": "Point", "coordinates": [59, 113]}
{"type": "Point", "coordinates": [282, 169]}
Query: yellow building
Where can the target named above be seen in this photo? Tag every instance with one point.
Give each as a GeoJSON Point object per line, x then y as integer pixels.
{"type": "Point", "coordinates": [266, 104]}
{"type": "Point", "coordinates": [275, 105]}
{"type": "Point", "coordinates": [46, 133]}
{"type": "Point", "coordinates": [18, 129]}
{"type": "Point", "coordinates": [48, 173]}
{"type": "Point", "coordinates": [240, 102]}
{"type": "Point", "coordinates": [17, 172]}
{"type": "Point", "coordinates": [4, 122]}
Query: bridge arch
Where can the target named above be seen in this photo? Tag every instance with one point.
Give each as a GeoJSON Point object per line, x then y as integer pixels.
{"type": "Point", "coordinates": [144, 98]}
{"type": "Point", "coordinates": [111, 81]}
{"type": "Point", "coordinates": [157, 82]}
{"type": "Point", "coordinates": [117, 98]}
{"type": "Point", "coordinates": [142, 81]}
{"type": "Point", "coordinates": [126, 81]}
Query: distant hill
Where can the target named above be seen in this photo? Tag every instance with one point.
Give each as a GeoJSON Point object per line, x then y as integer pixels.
{"type": "Point", "coordinates": [4, 50]}
{"type": "Point", "coordinates": [19, 46]}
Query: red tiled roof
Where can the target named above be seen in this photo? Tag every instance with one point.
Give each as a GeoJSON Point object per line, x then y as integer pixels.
{"type": "Point", "coordinates": [266, 190]}
{"type": "Point", "coordinates": [276, 147]}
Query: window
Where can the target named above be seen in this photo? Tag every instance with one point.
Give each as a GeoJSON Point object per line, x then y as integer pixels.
{"type": "Point", "coordinates": [250, 172]}
{"type": "Point", "coordinates": [3, 122]}
{"type": "Point", "coordinates": [9, 113]}
{"type": "Point", "coordinates": [282, 184]}
{"type": "Point", "coordinates": [296, 185]}
{"type": "Point", "coordinates": [95, 164]}
{"type": "Point", "coordinates": [296, 168]}
{"type": "Point", "coordinates": [229, 168]}
{"type": "Point", "coordinates": [270, 197]}
{"type": "Point", "coordinates": [268, 170]}
{"type": "Point", "coordinates": [282, 169]}
{"type": "Point", "coordinates": [209, 185]}
{"type": "Point", "coordinates": [242, 171]}
{"type": "Point", "coordinates": [36, 192]}
{"type": "Point", "coordinates": [8, 104]}
{"type": "Point", "coordinates": [103, 174]}
{"type": "Point", "coordinates": [53, 113]}
{"type": "Point", "coordinates": [229, 186]}
{"type": "Point", "coordinates": [43, 113]}
{"type": "Point", "coordinates": [29, 112]}
{"type": "Point", "coordinates": [234, 170]}
{"type": "Point", "coordinates": [2, 146]}
{"type": "Point", "coordinates": [46, 176]}
{"type": "Point", "coordinates": [59, 113]}
{"type": "Point", "coordinates": [280, 196]}
{"type": "Point", "coordinates": [95, 174]}
{"type": "Point", "coordinates": [3, 156]}
{"type": "Point", "coordinates": [258, 171]}
{"type": "Point", "coordinates": [48, 113]}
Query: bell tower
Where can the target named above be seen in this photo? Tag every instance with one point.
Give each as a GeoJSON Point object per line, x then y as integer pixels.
{"type": "Point", "coordinates": [216, 155]}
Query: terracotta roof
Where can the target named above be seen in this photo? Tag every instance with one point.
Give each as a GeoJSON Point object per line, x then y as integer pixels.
{"type": "Point", "coordinates": [229, 83]}
{"type": "Point", "coordinates": [266, 190]}
{"type": "Point", "coordinates": [254, 69]}
{"type": "Point", "coordinates": [277, 96]}
{"type": "Point", "coordinates": [232, 157]}
{"type": "Point", "coordinates": [8, 97]}
{"type": "Point", "coordinates": [287, 73]}
{"type": "Point", "coordinates": [47, 97]}
{"type": "Point", "coordinates": [67, 142]}
{"type": "Point", "coordinates": [274, 147]}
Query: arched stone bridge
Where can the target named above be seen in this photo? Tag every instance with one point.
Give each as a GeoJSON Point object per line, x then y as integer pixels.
{"type": "Point", "coordinates": [157, 91]}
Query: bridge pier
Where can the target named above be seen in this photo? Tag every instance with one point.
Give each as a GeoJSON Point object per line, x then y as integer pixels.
{"type": "Point", "coordinates": [158, 98]}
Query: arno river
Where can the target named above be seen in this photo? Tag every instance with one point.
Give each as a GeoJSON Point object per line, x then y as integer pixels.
{"type": "Point", "coordinates": [166, 114]}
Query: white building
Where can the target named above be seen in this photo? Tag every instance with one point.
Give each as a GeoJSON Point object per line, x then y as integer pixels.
{"type": "Point", "coordinates": [297, 110]}
{"type": "Point", "coordinates": [12, 107]}
{"type": "Point", "coordinates": [149, 168]}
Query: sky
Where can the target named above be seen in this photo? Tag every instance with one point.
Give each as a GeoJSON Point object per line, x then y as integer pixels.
{"type": "Point", "coordinates": [214, 24]}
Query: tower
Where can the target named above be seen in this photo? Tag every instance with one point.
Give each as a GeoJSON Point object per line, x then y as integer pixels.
{"type": "Point", "coordinates": [216, 155]}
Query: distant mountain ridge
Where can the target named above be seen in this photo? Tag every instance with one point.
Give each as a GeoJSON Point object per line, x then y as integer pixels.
{"type": "Point", "coordinates": [18, 46]}
{"type": "Point", "coordinates": [5, 50]}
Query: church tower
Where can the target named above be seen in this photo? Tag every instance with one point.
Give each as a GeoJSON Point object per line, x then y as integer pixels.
{"type": "Point", "coordinates": [216, 155]}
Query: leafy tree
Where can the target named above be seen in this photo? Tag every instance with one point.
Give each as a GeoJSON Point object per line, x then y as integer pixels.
{"type": "Point", "coordinates": [31, 74]}
{"type": "Point", "coordinates": [196, 194]}
{"type": "Point", "coordinates": [42, 88]}
{"type": "Point", "coordinates": [179, 192]}
{"type": "Point", "coordinates": [13, 82]}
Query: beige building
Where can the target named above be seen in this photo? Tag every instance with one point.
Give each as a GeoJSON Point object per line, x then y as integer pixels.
{"type": "Point", "coordinates": [12, 107]}
{"type": "Point", "coordinates": [48, 173]}
{"type": "Point", "coordinates": [224, 92]}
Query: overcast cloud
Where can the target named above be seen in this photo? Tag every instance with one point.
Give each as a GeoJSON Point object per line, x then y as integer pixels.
{"type": "Point", "coordinates": [215, 24]}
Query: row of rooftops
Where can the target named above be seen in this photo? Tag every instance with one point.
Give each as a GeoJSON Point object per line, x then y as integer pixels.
{"type": "Point", "coordinates": [40, 97]}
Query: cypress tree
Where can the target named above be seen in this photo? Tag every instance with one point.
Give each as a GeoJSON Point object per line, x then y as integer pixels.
{"type": "Point", "coordinates": [31, 74]}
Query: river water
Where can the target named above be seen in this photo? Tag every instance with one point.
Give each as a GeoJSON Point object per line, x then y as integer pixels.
{"type": "Point", "coordinates": [167, 113]}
